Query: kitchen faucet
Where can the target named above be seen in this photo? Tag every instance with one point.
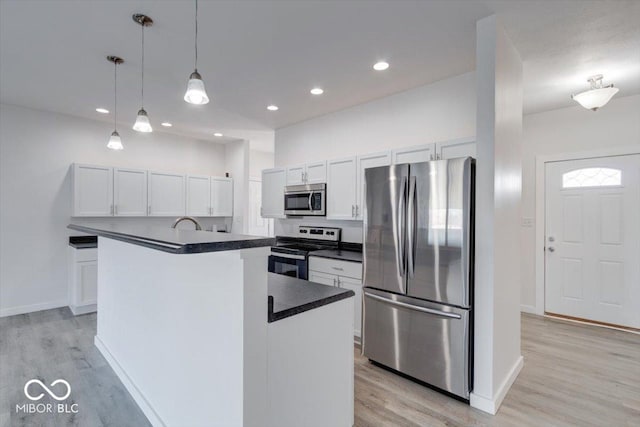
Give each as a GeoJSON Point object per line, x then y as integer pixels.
{"type": "Point", "coordinates": [187, 218]}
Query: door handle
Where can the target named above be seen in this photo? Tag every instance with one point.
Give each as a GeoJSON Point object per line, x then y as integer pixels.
{"type": "Point", "coordinates": [414, 307]}
{"type": "Point", "coordinates": [401, 225]}
{"type": "Point", "coordinates": [412, 216]}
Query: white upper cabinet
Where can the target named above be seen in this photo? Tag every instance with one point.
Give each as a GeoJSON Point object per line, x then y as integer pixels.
{"type": "Point", "coordinates": [310, 173]}
{"type": "Point", "coordinates": [92, 190]}
{"type": "Point", "coordinates": [198, 195]}
{"type": "Point", "coordinates": [129, 192]}
{"type": "Point", "coordinates": [456, 148]}
{"type": "Point", "coordinates": [221, 196]}
{"type": "Point", "coordinates": [166, 194]}
{"type": "Point", "coordinates": [420, 153]}
{"type": "Point", "coordinates": [316, 173]}
{"type": "Point", "coordinates": [342, 188]}
{"type": "Point", "coordinates": [365, 162]}
{"type": "Point", "coordinates": [295, 175]}
{"type": "Point", "coordinates": [273, 183]}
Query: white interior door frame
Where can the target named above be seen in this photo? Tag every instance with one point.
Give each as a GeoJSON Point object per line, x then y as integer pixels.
{"type": "Point", "coordinates": [540, 206]}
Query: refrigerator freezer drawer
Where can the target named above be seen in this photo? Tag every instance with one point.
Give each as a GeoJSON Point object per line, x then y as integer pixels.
{"type": "Point", "coordinates": [427, 341]}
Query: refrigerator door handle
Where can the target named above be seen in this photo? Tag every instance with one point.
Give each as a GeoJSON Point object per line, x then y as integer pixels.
{"type": "Point", "coordinates": [412, 219]}
{"type": "Point", "coordinates": [400, 230]}
{"type": "Point", "coordinates": [414, 307]}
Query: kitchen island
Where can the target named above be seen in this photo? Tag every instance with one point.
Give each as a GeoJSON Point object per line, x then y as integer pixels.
{"type": "Point", "coordinates": [191, 324]}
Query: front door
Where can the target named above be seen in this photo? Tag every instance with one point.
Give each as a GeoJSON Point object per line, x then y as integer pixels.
{"type": "Point", "coordinates": [592, 239]}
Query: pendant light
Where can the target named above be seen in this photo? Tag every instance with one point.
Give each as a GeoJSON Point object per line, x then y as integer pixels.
{"type": "Point", "coordinates": [142, 120]}
{"type": "Point", "coordinates": [115, 143]}
{"type": "Point", "coordinates": [597, 96]}
{"type": "Point", "coordinates": [196, 93]}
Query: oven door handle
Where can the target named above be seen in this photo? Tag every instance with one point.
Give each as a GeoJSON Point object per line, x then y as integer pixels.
{"type": "Point", "coordinates": [289, 256]}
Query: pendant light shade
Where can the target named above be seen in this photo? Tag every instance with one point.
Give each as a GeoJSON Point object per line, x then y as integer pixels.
{"type": "Point", "coordinates": [142, 122]}
{"type": "Point", "coordinates": [115, 143]}
{"type": "Point", "coordinates": [596, 97]}
{"type": "Point", "coordinates": [196, 93]}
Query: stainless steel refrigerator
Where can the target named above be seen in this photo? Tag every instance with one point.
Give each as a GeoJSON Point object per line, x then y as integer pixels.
{"type": "Point", "coordinates": [418, 271]}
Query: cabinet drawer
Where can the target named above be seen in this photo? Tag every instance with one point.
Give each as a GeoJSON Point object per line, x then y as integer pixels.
{"type": "Point", "coordinates": [334, 266]}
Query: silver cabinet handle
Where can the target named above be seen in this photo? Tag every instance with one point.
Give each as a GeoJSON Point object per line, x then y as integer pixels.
{"type": "Point", "coordinates": [353, 209]}
{"type": "Point", "coordinates": [115, 209]}
{"type": "Point", "coordinates": [430, 156]}
{"type": "Point", "coordinates": [338, 268]}
{"type": "Point", "coordinates": [414, 307]}
{"type": "Point", "coordinates": [334, 282]}
{"type": "Point", "coordinates": [357, 208]}
{"type": "Point", "coordinates": [111, 210]}
{"type": "Point", "coordinates": [149, 210]}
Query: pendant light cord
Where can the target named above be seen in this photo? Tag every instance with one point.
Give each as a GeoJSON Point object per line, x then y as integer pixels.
{"type": "Point", "coordinates": [115, 96]}
{"type": "Point", "coordinates": [142, 91]}
{"type": "Point", "coordinates": [196, 40]}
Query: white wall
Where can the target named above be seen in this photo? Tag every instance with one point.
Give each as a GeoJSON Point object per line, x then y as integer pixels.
{"type": "Point", "coordinates": [259, 160]}
{"type": "Point", "coordinates": [36, 150]}
{"type": "Point", "coordinates": [437, 112]}
{"type": "Point", "coordinates": [568, 130]}
{"type": "Point", "coordinates": [237, 163]}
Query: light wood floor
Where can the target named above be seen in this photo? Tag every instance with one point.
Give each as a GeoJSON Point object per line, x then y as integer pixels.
{"type": "Point", "coordinates": [574, 375]}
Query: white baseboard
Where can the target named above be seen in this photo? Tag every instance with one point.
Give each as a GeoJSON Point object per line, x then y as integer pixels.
{"type": "Point", "coordinates": [22, 309]}
{"type": "Point", "coordinates": [491, 406]}
{"type": "Point", "coordinates": [525, 308]}
{"type": "Point", "coordinates": [143, 404]}
{"type": "Point", "coordinates": [83, 309]}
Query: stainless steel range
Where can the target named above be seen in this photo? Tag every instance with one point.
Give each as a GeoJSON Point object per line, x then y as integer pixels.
{"type": "Point", "coordinates": [291, 254]}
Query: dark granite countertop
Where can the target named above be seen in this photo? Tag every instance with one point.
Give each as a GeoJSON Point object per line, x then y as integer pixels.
{"type": "Point", "coordinates": [83, 242]}
{"type": "Point", "coordinates": [173, 240]}
{"type": "Point", "coordinates": [289, 296]}
{"type": "Point", "coordinates": [341, 254]}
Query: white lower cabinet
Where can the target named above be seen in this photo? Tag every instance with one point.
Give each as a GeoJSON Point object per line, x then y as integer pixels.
{"type": "Point", "coordinates": [82, 278]}
{"type": "Point", "coordinates": [344, 274]}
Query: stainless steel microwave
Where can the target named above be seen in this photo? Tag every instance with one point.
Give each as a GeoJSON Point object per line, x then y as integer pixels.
{"type": "Point", "coordinates": [301, 200]}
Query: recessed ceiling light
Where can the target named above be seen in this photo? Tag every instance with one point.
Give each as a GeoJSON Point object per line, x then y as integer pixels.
{"type": "Point", "coordinates": [102, 110]}
{"type": "Point", "coordinates": [166, 124]}
{"type": "Point", "coordinates": [380, 66]}
{"type": "Point", "coordinates": [272, 108]}
{"type": "Point", "coordinates": [218, 134]}
{"type": "Point", "coordinates": [317, 91]}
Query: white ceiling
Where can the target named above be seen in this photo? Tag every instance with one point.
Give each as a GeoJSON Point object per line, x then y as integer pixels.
{"type": "Point", "coordinates": [254, 53]}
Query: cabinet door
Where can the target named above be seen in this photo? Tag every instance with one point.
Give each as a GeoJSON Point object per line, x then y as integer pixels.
{"type": "Point", "coordinates": [166, 194]}
{"type": "Point", "coordinates": [456, 148]}
{"type": "Point", "coordinates": [420, 153]}
{"type": "Point", "coordinates": [356, 287]}
{"type": "Point", "coordinates": [364, 162]}
{"type": "Point", "coordinates": [316, 173]}
{"type": "Point", "coordinates": [323, 278]}
{"type": "Point", "coordinates": [130, 192]}
{"type": "Point", "coordinates": [295, 175]}
{"type": "Point", "coordinates": [198, 195]}
{"type": "Point", "coordinates": [221, 196]}
{"type": "Point", "coordinates": [341, 188]}
{"type": "Point", "coordinates": [273, 183]}
{"type": "Point", "coordinates": [92, 190]}
{"type": "Point", "coordinates": [87, 281]}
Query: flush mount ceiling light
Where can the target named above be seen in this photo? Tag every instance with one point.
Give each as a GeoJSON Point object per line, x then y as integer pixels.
{"type": "Point", "coordinates": [166, 124]}
{"type": "Point", "coordinates": [316, 91]}
{"type": "Point", "coordinates": [597, 96]}
{"type": "Point", "coordinates": [142, 120]}
{"type": "Point", "coordinates": [272, 107]}
{"type": "Point", "coordinates": [218, 134]}
{"type": "Point", "coordinates": [196, 93]}
{"type": "Point", "coordinates": [380, 66]}
{"type": "Point", "coordinates": [115, 143]}
{"type": "Point", "coordinates": [102, 110]}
